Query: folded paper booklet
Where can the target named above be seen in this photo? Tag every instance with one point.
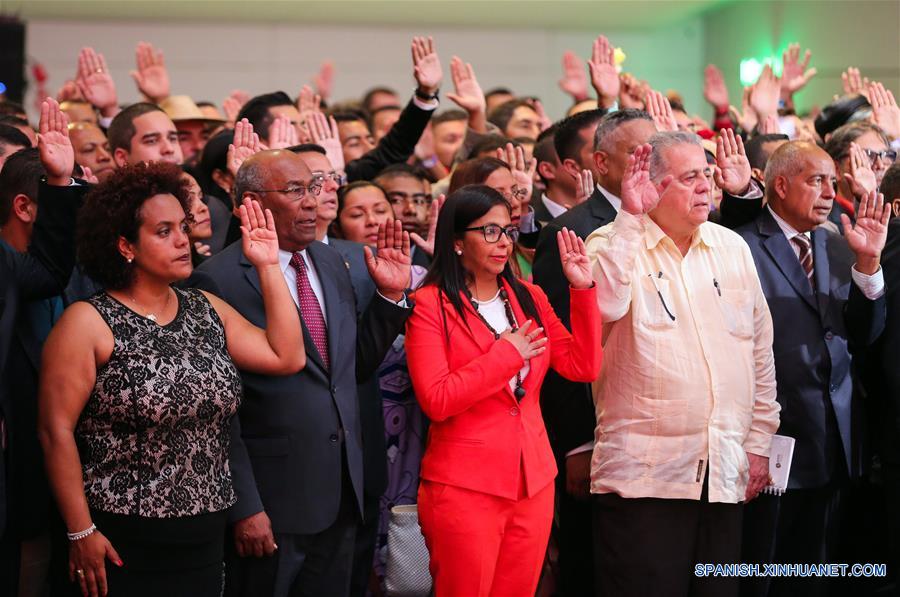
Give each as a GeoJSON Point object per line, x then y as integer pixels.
{"type": "Point", "coordinates": [780, 464]}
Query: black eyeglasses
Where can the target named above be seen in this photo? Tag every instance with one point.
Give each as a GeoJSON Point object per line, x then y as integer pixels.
{"type": "Point", "coordinates": [296, 192]}
{"type": "Point", "coordinates": [886, 155]}
{"type": "Point", "coordinates": [338, 178]}
{"type": "Point", "coordinates": [492, 232]}
{"type": "Point", "coordinates": [416, 199]}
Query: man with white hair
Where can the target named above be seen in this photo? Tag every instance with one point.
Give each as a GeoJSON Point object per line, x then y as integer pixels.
{"type": "Point", "coordinates": [686, 399]}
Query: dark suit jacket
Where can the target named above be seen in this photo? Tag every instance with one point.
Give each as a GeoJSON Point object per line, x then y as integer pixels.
{"type": "Point", "coordinates": [395, 147]}
{"type": "Point", "coordinates": [541, 214]}
{"type": "Point", "coordinates": [815, 333]}
{"type": "Point", "coordinates": [41, 273]}
{"type": "Point", "coordinates": [371, 414]}
{"type": "Point", "coordinates": [568, 407]}
{"type": "Point", "coordinates": [292, 432]}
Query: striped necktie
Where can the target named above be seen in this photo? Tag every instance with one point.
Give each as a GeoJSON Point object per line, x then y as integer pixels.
{"type": "Point", "coordinates": [805, 256]}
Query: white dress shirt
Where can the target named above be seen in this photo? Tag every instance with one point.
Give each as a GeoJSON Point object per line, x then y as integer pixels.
{"type": "Point", "coordinates": [552, 206]}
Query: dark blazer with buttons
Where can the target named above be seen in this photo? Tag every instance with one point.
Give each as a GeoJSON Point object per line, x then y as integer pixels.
{"type": "Point", "coordinates": [291, 432]}
{"type": "Point", "coordinates": [568, 406]}
{"type": "Point", "coordinates": [40, 273]}
{"type": "Point", "coordinates": [371, 414]}
{"type": "Point", "coordinates": [816, 331]}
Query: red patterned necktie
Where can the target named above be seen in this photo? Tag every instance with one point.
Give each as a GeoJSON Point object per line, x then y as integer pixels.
{"type": "Point", "coordinates": [310, 309]}
{"type": "Point", "coordinates": [805, 256]}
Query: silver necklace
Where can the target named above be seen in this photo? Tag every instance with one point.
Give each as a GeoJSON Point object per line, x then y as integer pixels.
{"type": "Point", "coordinates": [151, 316]}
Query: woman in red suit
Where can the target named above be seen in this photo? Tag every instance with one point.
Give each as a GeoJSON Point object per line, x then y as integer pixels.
{"type": "Point", "coordinates": [478, 345]}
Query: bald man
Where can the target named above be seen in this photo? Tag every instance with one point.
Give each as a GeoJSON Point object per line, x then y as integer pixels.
{"type": "Point", "coordinates": [296, 444]}
{"type": "Point", "coordinates": [826, 296]}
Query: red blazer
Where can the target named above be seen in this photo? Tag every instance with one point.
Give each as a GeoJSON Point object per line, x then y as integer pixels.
{"type": "Point", "coordinates": [481, 438]}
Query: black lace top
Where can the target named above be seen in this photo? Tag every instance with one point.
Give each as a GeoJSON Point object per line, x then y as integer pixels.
{"type": "Point", "coordinates": [153, 436]}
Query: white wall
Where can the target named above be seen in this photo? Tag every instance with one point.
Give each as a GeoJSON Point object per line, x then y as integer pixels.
{"type": "Point", "coordinates": [207, 61]}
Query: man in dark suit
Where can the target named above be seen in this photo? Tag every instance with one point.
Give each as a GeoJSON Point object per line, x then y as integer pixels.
{"type": "Point", "coordinates": [559, 184]}
{"type": "Point", "coordinates": [297, 446]}
{"type": "Point", "coordinates": [370, 409]}
{"type": "Point", "coordinates": [826, 296]}
{"type": "Point", "coordinates": [39, 274]}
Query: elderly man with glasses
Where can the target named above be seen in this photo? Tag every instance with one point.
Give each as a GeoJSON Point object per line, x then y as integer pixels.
{"type": "Point", "coordinates": [296, 446]}
{"type": "Point", "coordinates": [685, 401]}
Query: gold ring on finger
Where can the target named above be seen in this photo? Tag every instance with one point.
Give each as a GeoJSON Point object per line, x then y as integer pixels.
{"type": "Point", "coordinates": [80, 573]}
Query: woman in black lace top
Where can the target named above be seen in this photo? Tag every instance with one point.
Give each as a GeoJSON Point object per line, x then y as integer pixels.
{"type": "Point", "coordinates": [139, 385]}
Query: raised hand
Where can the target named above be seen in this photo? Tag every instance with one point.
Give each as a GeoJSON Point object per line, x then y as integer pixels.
{"type": "Point", "coordinates": [867, 236]}
{"type": "Point", "coordinates": [769, 125]}
{"type": "Point", "coordinates": [584, 186]}
{"type": "Point", "coordinates": [308, 102]}
{"type": "Point", "coordinates": [390, 269]}
{"type": "Point", "coordinates": [604, 77]}
{"type": "Point", "coordinates": [258, 238]}
{"type": "Point", "coordinates": [231, 107]}
{"type": "Point", "coordinates": [467, 92]}
{"type": "Point", "coordinates": [854, 83]}
{"type": "Point", "coordinates": [794, 74]}
{"type": "Point", "coordinates": [575, 263]}
{"type": "Point", "coordinates": [660, 110]}
{"type": "Point", "coordinates": [861, 177]}
{"type": "Point", "coordinates": [151, 75]}
{"type": "Point", "coordinates": [631, 92]}
{"type": "Point", "coordinates": [324, 80]}
{"type": "Point", "coordinates": [88, 176]}
{"type": "Point", "coordinates": [746, 118]}
{"type": "Point", "coordinates": [714, 89]}
{"type": "Point", "coordinates": [522, 170]}
{"type": "Point", "coordinates": [574, 81]}
{"type": "Point", "coordinates": [732, 171]}
{"type": "Point", "coordinates": [282, 133]}
{"type": "Point", "coordinates": [427, 244]}
{"type": "Point", "coordinates": [95, 83]}
{"type": "Point", "coordinates": [426, 65]}
{"type": "Point", "coordinates": [765, 93]}
{"type": "Point", "coordinates": [528, 342]}
{"type": "Point", "coordinates": [54, 146]}
{"type": "Point", "coordinates": [884, 109]}
{"type": "Point", "coordinates": [69, 92]}
{"type": "Point", "coordinates": [324, 132]}
{"type": "Point", "coordinates": [639, 194]}
{"type": "Point", "coordinates": [245, 144]}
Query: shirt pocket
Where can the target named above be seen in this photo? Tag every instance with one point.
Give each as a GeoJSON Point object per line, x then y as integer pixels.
{"type": "Point", "coordinates": [736, 307]}
{"type": "Point", "coordinates": [655, 310]}
{"type": "Point", "coordinates": [656, 429]}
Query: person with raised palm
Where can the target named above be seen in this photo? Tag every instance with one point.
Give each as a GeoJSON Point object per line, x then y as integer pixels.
{"type": "Point", "coordinates": [795, 73]}
{"type": "Point", "coordinates": [96, 84]}
{"type": "Point", "coordinates": [467, 94]}
{"type": "Point", "coordinates": [574, 81]}
{"type": "Point", "coordinates": [479, 343]}
{"type": "Point", "coordinates": [604, 76]}
{"type": "Point", "coordinates": [679, 297]}
{"type": "Point", "coordinates": [151, 76]}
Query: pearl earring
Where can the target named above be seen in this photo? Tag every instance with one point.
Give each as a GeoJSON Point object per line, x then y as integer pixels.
{"type": "Point", "coordinates": [459, 251]}
{"type": "Point", "coordinates": [130, 259]}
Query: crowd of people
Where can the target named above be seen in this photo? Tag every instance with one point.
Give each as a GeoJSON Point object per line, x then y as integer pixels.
{"type": "Point", "coordinates": [233, 337]}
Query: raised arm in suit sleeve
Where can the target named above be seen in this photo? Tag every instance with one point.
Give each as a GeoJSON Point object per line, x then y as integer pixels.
{"type": "Point", "coordinates": [576, 355]}
{"type": "Point", "coordinates": [443, 393]}
{"type": "Point", "coordinates": [395, 147]}
{"type": "Point", "coordinates": [865, 318]}
{"type": "Point", "coordinates": [45, 269]}
{"type": "Point", "coordinates": [379, 326]}
{"type": "Point", "coordinates": [547, 271]}
{"type": "Point", "coordinates": [612, 251]}
{"type": "Point", "coordinates": [735, 211]}
{"type": "Point", "coordinates": [765, 419]}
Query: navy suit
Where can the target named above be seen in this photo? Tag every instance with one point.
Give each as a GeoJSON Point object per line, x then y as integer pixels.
{"type": "Point", "coordinates": [297, 442]}
{"type": "Point", "coordinates": [816, 332]}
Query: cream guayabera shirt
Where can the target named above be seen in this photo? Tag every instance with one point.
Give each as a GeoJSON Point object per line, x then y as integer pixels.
{"type": "Point", "coordinates": [688, 379]}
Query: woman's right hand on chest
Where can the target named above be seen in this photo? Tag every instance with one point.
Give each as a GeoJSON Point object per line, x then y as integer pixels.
{"type": "Point", "coordinates": [527, 341]}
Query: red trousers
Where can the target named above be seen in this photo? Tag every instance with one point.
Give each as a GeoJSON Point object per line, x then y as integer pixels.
{"type": "Point", "coordinates": [481, 544]}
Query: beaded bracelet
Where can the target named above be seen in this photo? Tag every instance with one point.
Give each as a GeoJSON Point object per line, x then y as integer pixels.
{"type": "Point", "coordinates": [82, 534]}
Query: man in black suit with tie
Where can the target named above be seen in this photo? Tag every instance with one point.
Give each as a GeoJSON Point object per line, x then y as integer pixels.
{"type": "Point", "coordinates": [40, 273]}
{"type": "Point", "coordinates": [826, 296]}
{"type": "Point", "coordinates": [297, 453]}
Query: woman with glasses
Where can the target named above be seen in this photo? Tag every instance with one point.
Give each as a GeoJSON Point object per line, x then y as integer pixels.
{"type": "Point", "coordinates": [512, 180]}
{"type": "Point", "coordinates": [862, 154]}
{"type": "Point", "coordinates": [139, 385]}
{"type": "Point", "coordinates": [479, 343]}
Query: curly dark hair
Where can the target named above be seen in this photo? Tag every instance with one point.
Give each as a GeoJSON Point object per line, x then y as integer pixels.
{"type": "Point", "coordinates": [112, 209]}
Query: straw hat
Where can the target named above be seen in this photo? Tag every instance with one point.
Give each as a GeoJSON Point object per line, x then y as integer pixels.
{"type": "Point", "coordinates": [181, 108]}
